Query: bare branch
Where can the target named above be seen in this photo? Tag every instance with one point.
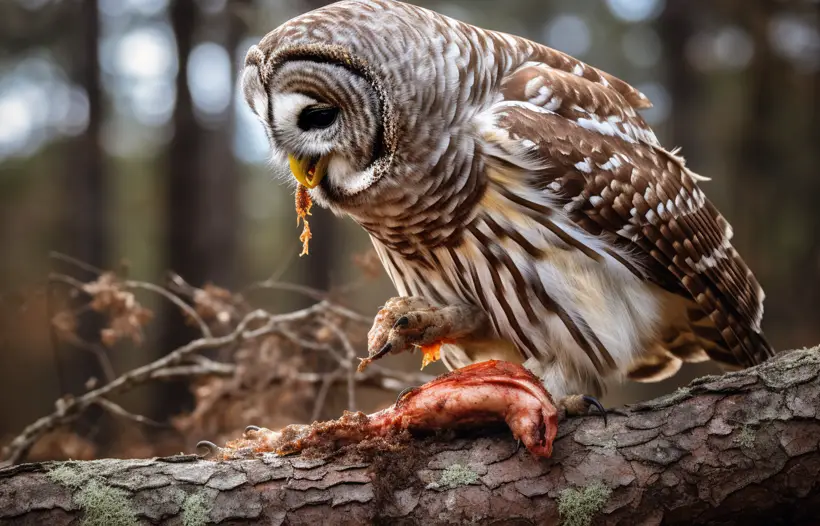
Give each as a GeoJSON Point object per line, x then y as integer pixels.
{"type": "Point", "coordinates": [327, 382]}
{"type": "Point", "coordinates": [182, 371]}
{"type": "Point", "coordinates": [68, 280]}
{"type": "Point", "coordinates": [349, 365]}
{"type": "Point", "coordinates": [99, 352]}
{"type": "Point", "coordinates": [176, 300]}
{"type": "Point", "coordinates": [65, 258]}
{"type": "Point", "coordinates": [118, 410]}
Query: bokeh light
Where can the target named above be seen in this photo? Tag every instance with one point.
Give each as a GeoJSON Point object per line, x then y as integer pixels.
{"type": "Point", "coordinates": [796, 39]}
{"type": "Point", "coordinates": [568, 33]}
{"type": "Point", "coordinates": [37, 105]}
{"type": "Point", "coordinates": [727, 48]}
{"type": "Point", "coordinates": [635, 10]}
{"type": "Point", "coordinates": [209, 78]}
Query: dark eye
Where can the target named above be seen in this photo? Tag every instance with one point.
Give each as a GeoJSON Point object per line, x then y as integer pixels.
{"type": "Point", "coordinates": [315, 117]}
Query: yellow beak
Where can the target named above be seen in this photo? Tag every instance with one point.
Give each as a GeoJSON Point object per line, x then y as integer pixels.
{"type": "Point", "coordinates": [308, 172]}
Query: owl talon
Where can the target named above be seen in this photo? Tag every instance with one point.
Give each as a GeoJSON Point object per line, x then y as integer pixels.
{"type": "Point", "coordinates": [593, 402]}
{"type": "Point", "coordinates": [250, 429]}
{"type": "Point", "coordinates": [384, 350]}
{"type": "Point", "coordinates": [579, 405]}
{"type": "Point", "coordinates": [402, 322]}
{"type": "Point", "coordinates": [213, 449]}
{"type": "Point", "coordinates": [404, 392]}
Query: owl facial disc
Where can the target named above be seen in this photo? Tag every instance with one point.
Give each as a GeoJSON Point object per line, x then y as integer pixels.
{"type": "Point", "coordinates": [309, 171]}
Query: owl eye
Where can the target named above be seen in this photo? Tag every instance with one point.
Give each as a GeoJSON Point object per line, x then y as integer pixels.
{"type": "Point", "coordinates": [317, 117]}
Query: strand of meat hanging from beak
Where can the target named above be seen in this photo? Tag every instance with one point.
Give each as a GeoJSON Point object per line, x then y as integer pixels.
{"type": "Point", "coordinates": [303, 205]}
{"type": "Point", "coordinates": [308, 173]}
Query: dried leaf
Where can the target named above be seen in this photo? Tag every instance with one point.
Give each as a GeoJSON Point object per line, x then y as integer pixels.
{"type": "Point", "coordinates": [126, 317]}
{"type": "Point", "coordinates": [215, 304]}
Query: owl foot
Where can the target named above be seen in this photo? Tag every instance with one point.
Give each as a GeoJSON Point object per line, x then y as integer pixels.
{"type": "Point", "coordinates": [477, 395]}
{"type": "Point", "coordinates": [577, 405]}
{"type": "Point", "coordinates": [405, 323]}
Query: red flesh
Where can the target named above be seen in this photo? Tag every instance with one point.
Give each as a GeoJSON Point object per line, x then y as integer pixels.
{"type": "Point", "coordinates": [483, 393]}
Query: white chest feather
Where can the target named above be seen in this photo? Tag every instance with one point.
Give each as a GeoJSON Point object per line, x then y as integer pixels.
{"type": "Point", "coordinates": [573, 313]}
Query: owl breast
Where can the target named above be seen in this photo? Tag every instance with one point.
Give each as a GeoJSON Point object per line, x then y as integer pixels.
{"type": "Point", "coordinates": [572, 309]}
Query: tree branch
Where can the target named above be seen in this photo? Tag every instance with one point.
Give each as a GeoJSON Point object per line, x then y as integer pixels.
{"type": "Point", "coordinates": [742, 447]}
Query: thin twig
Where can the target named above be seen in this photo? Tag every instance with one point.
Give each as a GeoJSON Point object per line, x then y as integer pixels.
{"type": "Point", "coordinates": [327, 382]}
{"type": "Point", "coordinates": [118, 410]}
{"type": "Point", "coordinates": [65, 258]}
{"type": "Point", "coordinates": [187, 371]}
{"type": "Point", "coordinates": [68, 280]}
{"type": "Point", "coordinates": [213, 365]}
{"type": "Point", "coordinates": [99, 352]}
{"type": "Point", "coordinates": [310, 292]}
{"type": "Point", "coordinates": [347, 313]}
{"type": "Point", "coordinates": [176, 300]}
{"type": "Point", "coordinates": [293, 338]}
{"type": "Point", "coordinates": [350, 365]}
{"type": "Point", "coordinates": [315, 294]}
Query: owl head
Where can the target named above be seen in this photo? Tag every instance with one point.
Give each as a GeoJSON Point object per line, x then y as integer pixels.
{"type": "Point", "coordinates": [357, 98]}
{"type": "Point", "coordinates": [326, 114]}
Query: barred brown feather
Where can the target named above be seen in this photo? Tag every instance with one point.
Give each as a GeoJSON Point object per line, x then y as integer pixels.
{"type": "Point", "coordinates": [619, 180]}
{"type": "Point", "coordinates": [497, 172]}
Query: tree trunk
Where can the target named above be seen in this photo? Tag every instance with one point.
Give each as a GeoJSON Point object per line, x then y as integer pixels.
{"type": "Point", "coordinates": [203, 190]}
{"type": "Point", "coordinates": [727, 449]}
{"type": "Point", "coordinates": [84, 225]}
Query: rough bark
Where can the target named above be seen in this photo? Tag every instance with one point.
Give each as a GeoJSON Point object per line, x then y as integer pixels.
{"type": "Point", "coordinates": [742, 447]}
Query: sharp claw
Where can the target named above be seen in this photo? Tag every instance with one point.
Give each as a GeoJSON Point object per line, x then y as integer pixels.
{"type": "Point", "coordinates": [404, 321]}
{"type": "Point", "coordinates": [252, 428]}
{"type": "Point", "coordinates": [212, 448]}
{"type": "Point", "coordinates": [403, 392]}
{"type": "Point", "coordinates": [517, 446]}
{"type": "Point", "coordinates": [384, 350]}
{"type": "Point", "coordinates": [597, 405]}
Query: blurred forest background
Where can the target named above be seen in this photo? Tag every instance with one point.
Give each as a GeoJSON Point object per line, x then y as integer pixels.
{"type": "Point", "coordinates": [124, 144]}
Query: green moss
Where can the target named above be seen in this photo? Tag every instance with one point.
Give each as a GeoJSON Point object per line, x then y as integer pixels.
{"type": "Point", "coordinates": [746, 438]}
{"type": "Point", "coordinates": [104, 505]}
{"type": "Point", "coordinates": [195, 510]}
{"type": "Point", "coordinates": [70, 474]}
{"type": "Point", "coordinates": [101, 504]}
{"type": "Point", "coordinates": [578, 507]}
{"type": "Point", "coordinates": [455, 476]}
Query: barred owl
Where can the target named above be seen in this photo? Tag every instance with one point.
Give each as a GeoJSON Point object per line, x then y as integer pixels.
{"type": "Point", "coordinates": [520, 204]}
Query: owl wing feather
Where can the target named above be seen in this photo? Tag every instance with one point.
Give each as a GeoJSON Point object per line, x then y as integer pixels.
{"type": "Point", "coordinates": [577, 132]}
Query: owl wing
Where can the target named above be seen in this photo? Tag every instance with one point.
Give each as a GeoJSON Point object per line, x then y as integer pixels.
{"type": "Point", "coordinates": [576, 132]}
